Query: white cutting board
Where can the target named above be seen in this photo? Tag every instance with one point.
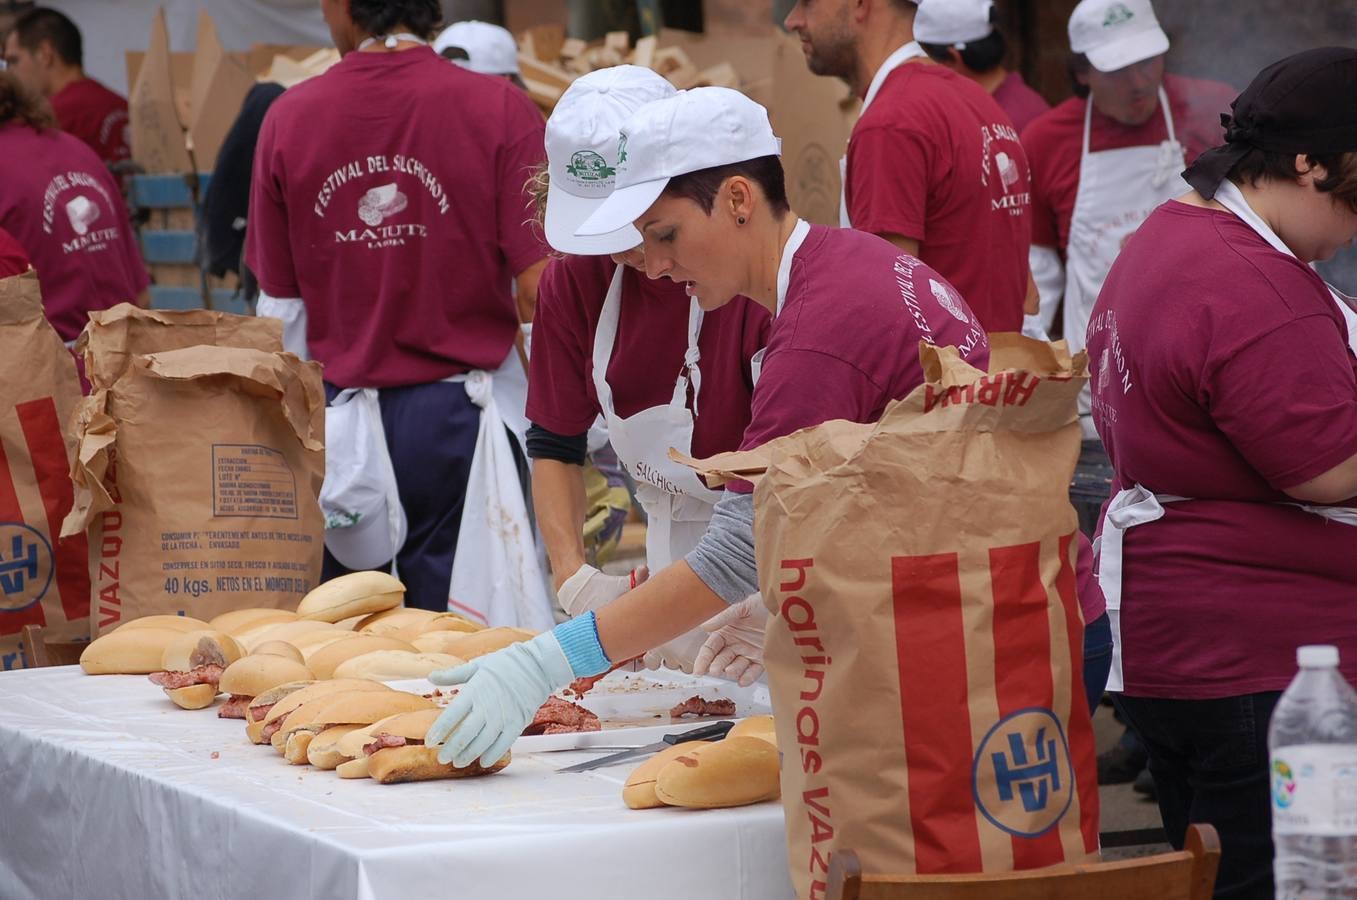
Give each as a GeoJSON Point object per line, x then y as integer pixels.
{"type": "Point", "coordinates": [633, 708]}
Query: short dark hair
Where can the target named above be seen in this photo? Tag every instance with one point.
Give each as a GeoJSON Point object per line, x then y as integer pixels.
{"type": "Point", "coordinates": [376, 17]}
{"type": "Point", "coordinates": [1077, 64]}
{"type": "Point", "coordinates": [1270, 165]}
{"type": "Point", "coordinates": [979, 56]}
{"type": "Point", "coordinates": [19, 104]}
{"type": "Point", "coordinates": [41, 24]}
{"type": "Point", "coordinates": [701, 186]}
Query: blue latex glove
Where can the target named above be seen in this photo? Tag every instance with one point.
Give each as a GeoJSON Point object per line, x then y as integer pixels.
{"type": "Point", "coordinates": [499, 693]}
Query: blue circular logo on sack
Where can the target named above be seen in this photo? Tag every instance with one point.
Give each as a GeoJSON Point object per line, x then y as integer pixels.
{"type": "Point", "coordinates": [1022, 778]}
{"type": "Point", "coordinates": [26, 566]}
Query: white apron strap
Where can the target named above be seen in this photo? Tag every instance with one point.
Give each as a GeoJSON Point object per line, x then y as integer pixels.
{"type": "Point", "coordinates": [605, 336]}
{"type": "Point", "coordinates": [690, 374]}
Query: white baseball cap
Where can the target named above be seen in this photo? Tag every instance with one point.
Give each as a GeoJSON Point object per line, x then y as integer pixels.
{"type": "Point", "coordinates": [693, 130]}
{"type": "Point", "coordinates": [953, 21]}
{"type": "Point", "coordinates": [1114, 34]}
{"type": "Point", "coordinates": [582, 154]}
{"type": "Point", "coordinates": [490, 50]}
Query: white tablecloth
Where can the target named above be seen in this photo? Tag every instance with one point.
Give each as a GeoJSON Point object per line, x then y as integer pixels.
{"type": "Point", "coordinates": [110, 791]}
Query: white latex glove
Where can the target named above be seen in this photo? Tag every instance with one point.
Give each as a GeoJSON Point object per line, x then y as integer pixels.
{"type": "Point", "coordinates": [590, 589]}
{"type": "Point", "coordinates": [676, 654]}
{"type": "Point", "coordinates": [498, 697]}
{"type": "Point", "coordinates": [735, 648]}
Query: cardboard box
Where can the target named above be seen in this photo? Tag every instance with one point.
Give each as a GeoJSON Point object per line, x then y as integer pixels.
{"type": "Point", "coordinates": [220, 83]}
{"type": "Point", "coordinates": [157, 125]}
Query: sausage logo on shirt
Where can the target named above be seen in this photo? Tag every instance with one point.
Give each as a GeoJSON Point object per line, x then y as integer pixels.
{"type": "Point", "coordinates": [1007, 169]}
{"type": "Point", "coordinates": [379, 189]}
{"type": "Point", "coordinates": [72, 203]}
{"type": "Point", "coordinates": [947, 298]}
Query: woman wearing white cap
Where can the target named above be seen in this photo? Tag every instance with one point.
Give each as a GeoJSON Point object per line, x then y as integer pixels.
{"type": "Point", "coordinates": [480, 47]}
{"type": "Point", "coordinates": [608, 341]}
{"type": "Point", "coordinates": [699, 176]}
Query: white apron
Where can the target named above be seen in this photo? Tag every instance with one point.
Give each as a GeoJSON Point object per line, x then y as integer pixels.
{"type": "Point", "coordinates": [677, 504]}
{"type": "Point", "coordinates": [1138, 505]}
{"type": "Point", "coordinates": [1118, 189]}
{"type": "Point", "coordinates": [909, 51]}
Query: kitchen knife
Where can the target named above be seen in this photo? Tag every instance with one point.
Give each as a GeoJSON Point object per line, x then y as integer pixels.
{"type": "Point", "coordinates": [713, 732]}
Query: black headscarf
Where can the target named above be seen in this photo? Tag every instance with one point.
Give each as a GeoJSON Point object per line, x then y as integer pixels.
{"type": "Point", "coordinates": [1306, 103]}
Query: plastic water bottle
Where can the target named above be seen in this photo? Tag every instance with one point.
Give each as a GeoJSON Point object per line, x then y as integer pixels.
{"type": "Point", "coordinates": [1313, 745]}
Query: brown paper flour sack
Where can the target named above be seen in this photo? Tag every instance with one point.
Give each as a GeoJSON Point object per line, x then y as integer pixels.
{"type": "Point", "coordinates": [197, 477]}
{"type": "Point", "coordinates": [43, 581]}
{"type": "Point", "coordinates": [925, 651]}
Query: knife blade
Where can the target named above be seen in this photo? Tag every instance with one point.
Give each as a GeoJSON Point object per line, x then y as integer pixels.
{"type": "Point", "coordinates": [713, 732]}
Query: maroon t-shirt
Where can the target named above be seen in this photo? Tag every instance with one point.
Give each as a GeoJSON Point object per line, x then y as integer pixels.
{"type": "Point", "coordinates": [63, 207]}
{"type": "Point", "coordinates": [1018, 100]}
{"type": "Point", "coordinates": [935, 159]}
{"type": "Point", "coordinates": [388, 195]}
{"type": "Point", "coordinates": [1055, 142]}
{"type": "Point", "coordinates": [96, 115]}
{"type": "Point", "coordinates": [13, 260]}
{"type": "Point", "coordinates": [1221, 372]}
{"type": "Point", "coordinates": [652, 337]}
{"type": "Point", "coordinates": [846, 342]}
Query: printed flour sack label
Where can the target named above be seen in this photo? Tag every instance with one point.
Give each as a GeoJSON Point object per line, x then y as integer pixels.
{"type": "Point", "coordinates": [197, 477]}
{"type": "Point", "coordinates": [43, 579]}
{"type": "Point", "coordinates": [924, 649]}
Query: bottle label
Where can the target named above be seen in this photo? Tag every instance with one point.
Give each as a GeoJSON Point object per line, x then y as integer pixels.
{"type": "Point", "coordinates": [1314, 790]}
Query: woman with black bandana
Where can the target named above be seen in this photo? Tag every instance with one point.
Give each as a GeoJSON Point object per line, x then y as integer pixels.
{"type": "Point", "coordinates": [1224, 390]}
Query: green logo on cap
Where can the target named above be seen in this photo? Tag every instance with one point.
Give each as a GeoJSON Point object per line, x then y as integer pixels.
{"type": "Point", "coordinates": [1119, 14]}
{"type": "Point", "coordinates": [622, 149]}
{"type": "Point", "coordinates": [586, 165]}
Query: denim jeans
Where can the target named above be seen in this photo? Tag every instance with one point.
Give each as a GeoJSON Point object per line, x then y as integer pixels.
{"type": "Point", "coordinates": [1209, 760]}
{"type": "Point", "coordinates": [1097, 659]}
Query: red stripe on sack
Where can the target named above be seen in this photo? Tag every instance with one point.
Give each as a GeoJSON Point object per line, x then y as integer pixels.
{"type": "Point", "coordinates": [47, 449]}
{"type": "Point", "coordinates": [1083, 754]}
{"type": "Point", "coordinates": [1022, 665]}
{"type": "Point", "coordinates": [930, 642]}
{"type": "Point", "coordinates": [11, 511]}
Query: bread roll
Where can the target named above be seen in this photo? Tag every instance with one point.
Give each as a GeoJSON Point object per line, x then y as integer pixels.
{"type": "Point", "coordinates": [357, 593]}
{"type": "Point", "coordinates": [316, 690]}
{"type": "Point", "coordinates": [734, 772]}
{"type": "Point", "coordinates": [200, 648]}
{"type": "Point", "coordinates": [346, 708]}
{"type": "Point", "coordinates": [136, 651]}
{"type": "Point", "coordinates": [283, 631]}
{"type": "Point", "coordinates": [323, 752]}
{"type": "Point", "coordinates": [411, 725]}
{"type": "Point", "coordinates": [351, 623]}
{"type": "Point", "coordinates": [639, 791]}
{"type": "Point", "coordinates": [196, 696]}
{"type": "Point", "coordinates": [254, 731]}
{"type": "Point", "coordinates": [470, 646]}
{"type": "Point", "coordinates": [755, 726]}
{"type": "Point", "coordinates": [175, 623]}
{"type": "Point", "coordinates": [238, 620]}
{"type": "Point", "coordinates": [324, 660]}
{"type": "Point", "coordinates": [308, 645]}
{"type": "Point", "coordinates": [354, 768]}
{"type": "Point", "coordinates": [394, 619]}
{"type": "Point", "coordinates": [391, 665]}
{"type": "Point", "coordinates": [395, 765]}
{"type": "Point", "coordinates": [251, 676]}
{"type": "Point", "coordinates": [279, 648]}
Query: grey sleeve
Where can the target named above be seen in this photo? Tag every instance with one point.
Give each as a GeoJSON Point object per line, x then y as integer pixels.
{"type": "Point", "coordinates": [724, 559]}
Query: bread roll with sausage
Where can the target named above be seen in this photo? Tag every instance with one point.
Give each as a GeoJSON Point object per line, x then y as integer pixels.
{"type": "Point", "coordinates": [293, 700]}
{"type": "Point", "coordinates": [358, 593]}
{"type": "Point", "coordinates": [393, 665]}
{"type": "Point", "coordinates": [734, 772]}
{"type": "Point", "coordinates": [250, 676]}
{"type": "Point", "coordinates": [354, 768]}
{"type": "Point", "coordinates": [323, 752]}
{"type": "Point", "coordinates": [345, 708]}
{"type": "Point", "coordinates": [324, 660]}
{"type": "Point", "coordinates": [135, 651]}
{"type": "Point", "coordinates": [396, 752]}
{"type": "Point", "coordinates": [195, 659]}
{"type": "Point", "coordinates": [639, 791]}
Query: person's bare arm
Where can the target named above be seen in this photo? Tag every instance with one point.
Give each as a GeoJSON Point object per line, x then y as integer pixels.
{"type": "Point", "coordinates": [669, 604]}
{"type": "Point", "coordinates": [1335, 485]}
{"type": "Point", "coordinates": [525, 285]}
{"type": "Point", "coordinates": [906, 245]}
{"type": "Point", "coordinates": [558, 496]}
{"type": "Point", "coordinates": [144, 299]}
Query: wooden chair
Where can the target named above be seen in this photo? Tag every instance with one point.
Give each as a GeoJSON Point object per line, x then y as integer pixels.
{"type": "Point", "coordinates": [40, 652]}
{"type": "Point", "coordinates": [1188, 874]}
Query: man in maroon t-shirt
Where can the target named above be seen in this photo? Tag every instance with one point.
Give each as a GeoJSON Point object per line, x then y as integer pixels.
{"type": "Point", "coordinates": [387, 202]}
{"type": "Point", "coordinates": [934, 165]}
{"type": "Point", "coordinates": [46, 51]}
{"type": "Point", "coordinates": [960, 35]}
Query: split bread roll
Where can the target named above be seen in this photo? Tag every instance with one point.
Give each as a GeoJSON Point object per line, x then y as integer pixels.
{"type": "Point", "coordinates": [449, 623]}
{"type": "Point", "coordinates": [734, 772]}
{"type": "Point", "coordinates": [282, 631]}
{"type": "Point", "coordinates": [392, 665]}
{"type": "Point", "coordinates": [197, 696]}
{"type": "Point", "coordinates": [187, 652]}
{"type": "Point", "coordinates": [396, 765]}
{"type": "Point", "coordinates": [323, 752]}
{"type": "Point", "coordinates": [639, 791]}
{"type": "Point", "coordinates": [294, 700]}
{"type": "Point", "coordinates": [238, 620]}
{"type": "Point", "coordinates": [251, 676]}
{"type": "Point", "coordinates": [394, 619]}
{"type": "Point", "coordinates": [308, 645]}
{"type": "Point", "coordinates": [324, 660]}
{"type": "Point", "coordinates": [357, 707]}
{"type": "Point", "coordinates": [755, 726]}
{"type": "Point", "coordinates": [136, 651]}
{"type": "Point", "coordinates": [358, 593]}
{"type": "Point", "coordinates": [354, 768]}
{"type": "Point", "coordinates": [470, 646]}
{"type": "Point", "coordinates": [175, 623]}
{"type": "Point", "coordinates": [278, 648]}
{"type": "Point", "coordinates": [258, 708]}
